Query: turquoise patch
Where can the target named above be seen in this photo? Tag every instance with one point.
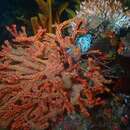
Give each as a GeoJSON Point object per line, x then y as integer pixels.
{"type": "Point", "coordinates": [84, 42]}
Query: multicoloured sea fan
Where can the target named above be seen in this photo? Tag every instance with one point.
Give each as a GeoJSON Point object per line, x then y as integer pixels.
{"type": "Point", "coordinates": [107, 12]}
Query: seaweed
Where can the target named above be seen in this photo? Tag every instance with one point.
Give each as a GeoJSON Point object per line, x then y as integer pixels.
{"type": "Point", "coordinates": [51, 13]}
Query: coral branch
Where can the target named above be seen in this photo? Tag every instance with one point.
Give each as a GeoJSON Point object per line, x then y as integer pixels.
{"type": "Point", "coordinates": [40, 81]}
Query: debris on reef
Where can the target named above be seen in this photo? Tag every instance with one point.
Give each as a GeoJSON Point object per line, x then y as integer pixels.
{"type": "Point", "coordinates": [40, 81]}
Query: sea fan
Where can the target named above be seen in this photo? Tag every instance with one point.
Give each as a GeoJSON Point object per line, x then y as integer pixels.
{"type": "Point", "coordinates": [107, 12]}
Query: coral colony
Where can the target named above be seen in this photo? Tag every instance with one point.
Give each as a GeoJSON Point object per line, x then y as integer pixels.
{"type": "Point", "coordinates": [40, 81]}
{"type": "Point", "coordinates": [42, 78]}
{"type": "Point", "coordinates": [96, 12]}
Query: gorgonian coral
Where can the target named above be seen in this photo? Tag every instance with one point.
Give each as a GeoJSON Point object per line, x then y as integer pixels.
{"type": "Point", "coordinates": [40, 81]}
{"type": "Point", "coordinates": [107, 12]}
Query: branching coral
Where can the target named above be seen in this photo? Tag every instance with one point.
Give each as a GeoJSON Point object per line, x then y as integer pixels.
{"type": "Point", "coordinates": [107, 12]}
{"type": "Point", "coordinates": [40, 81]}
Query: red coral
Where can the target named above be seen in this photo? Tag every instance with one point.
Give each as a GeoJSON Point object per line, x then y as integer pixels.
{"type": "Point", "coordinates": [34, 79]}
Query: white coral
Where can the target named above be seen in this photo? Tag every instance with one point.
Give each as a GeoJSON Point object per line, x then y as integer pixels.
{"type": "Point", "coordinates": [98, 11]}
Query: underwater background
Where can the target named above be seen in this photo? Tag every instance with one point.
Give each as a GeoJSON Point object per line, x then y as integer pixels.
{"type": "Point", "coordinates": [111, 66]}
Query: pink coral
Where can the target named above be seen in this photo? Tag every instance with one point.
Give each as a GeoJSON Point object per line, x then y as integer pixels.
{"type": "Point", "coordinates": [34, 76]}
